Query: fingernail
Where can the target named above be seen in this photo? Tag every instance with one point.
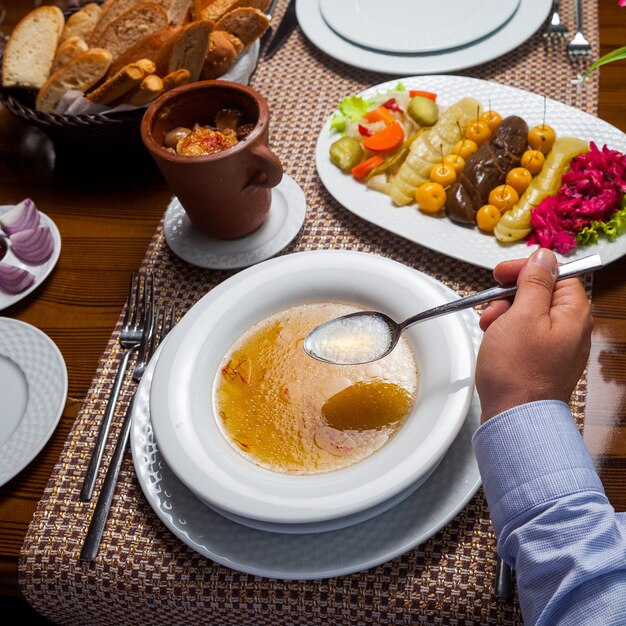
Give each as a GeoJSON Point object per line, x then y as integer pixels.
{"type": "Point", "coordinates": [546, 259]}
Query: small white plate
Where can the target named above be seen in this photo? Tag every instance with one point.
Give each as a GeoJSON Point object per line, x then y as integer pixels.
{"type": "Point", "coordinates": [40, 271]}
{"type": "Point", "coordinates": [528, 18]}
{"type": "Point", "coordinates": [314, 556]}
{"type": "Point", "coordinates": [439, 233]}
{"type": "Point", "coordinates": [416, 26]}
{"type": "Point", "coordinates": [33, 390]}
{"type": "Point", "coordinates": [283, 223]}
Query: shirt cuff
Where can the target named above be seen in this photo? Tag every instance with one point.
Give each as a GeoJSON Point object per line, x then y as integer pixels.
{"type": "Point", "coordinates": [530, 455]}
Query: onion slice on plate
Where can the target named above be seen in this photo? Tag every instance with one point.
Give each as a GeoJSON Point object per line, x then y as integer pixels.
{"type": "Point", "coordinates": [34, 245]}
{"type": "Point", "coordinates": [14, 279]}
{"type": "Point", "coordinates": [24, 216]}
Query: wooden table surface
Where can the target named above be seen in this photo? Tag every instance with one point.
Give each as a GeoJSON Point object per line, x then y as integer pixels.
{"type": "Point", "coordinates": [107, 215]}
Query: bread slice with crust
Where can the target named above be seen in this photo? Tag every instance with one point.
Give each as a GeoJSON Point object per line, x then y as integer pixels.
{"type": "Point", "coordinates": [178, 10]}
{"type": "Point", "coordinates": [82, 23]}
{"type": "Point", "coordinates": [148, 47]}
{"type": "Point", "coordinates": [187, 49]}
{"type": "Point", "coordinates": [132, 26]}
{"type": "Point", "coordinates": [224, 48]}
{"type": "Point", "coordinates": [218, 8]}
{"type": "Point", "coordinates": [246, 23]}
{"type": "Point", "coordinates": [67, 50]}
{"type": "Point", "coordinates": [81, 73]}
{"type": "Point", "coordinates": [29, 53]}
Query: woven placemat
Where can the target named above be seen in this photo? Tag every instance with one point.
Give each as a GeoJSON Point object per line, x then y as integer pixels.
{"type": "Point", "coordinates": [143, 572]}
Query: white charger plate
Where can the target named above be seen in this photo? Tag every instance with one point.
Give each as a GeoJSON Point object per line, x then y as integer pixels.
{"type": "Point", "coordinates": [33, 390]}
{"type": "Point", "coordinates": [417, 25]}
{"type": "Point", "coordinates": [528, 18]}
{"type": "Point", "coordinates": [41, 270]}
{"type": "Point", "coordinates": [183, 406]}
{"type": "Point", "coordinates": [313, 556]}
{"type": "Point", "coordinates": [439, 233]}
{"type": "Point", "coordinates": [285, 219]}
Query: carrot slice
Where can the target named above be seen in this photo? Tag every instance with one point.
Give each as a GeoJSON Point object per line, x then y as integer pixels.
{"type": "Point", "coordinates": [385, 140]}
{"type": "Point", "coordinates": [361, 170]}
{"type": "Point", "coordinates": [424, 94]}
{"type": "Point", "coordinates": [381, 114]}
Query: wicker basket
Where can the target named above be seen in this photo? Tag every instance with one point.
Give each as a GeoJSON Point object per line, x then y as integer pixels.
{"type": "Point", "coordinates": [116, 132]}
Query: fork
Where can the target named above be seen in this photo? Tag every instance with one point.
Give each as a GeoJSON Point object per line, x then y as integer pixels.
{"type": "Point", "coordinates": [140, 295]}
{"type": "Point", "coordinates": [151, 339]}
{"type": "Point", "coordinates": [555, 31]}
{"type": "Point", "coordinates": [579, 47]}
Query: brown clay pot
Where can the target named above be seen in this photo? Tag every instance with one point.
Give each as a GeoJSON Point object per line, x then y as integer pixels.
{"type": "Point", "coordinates": [227, 194]}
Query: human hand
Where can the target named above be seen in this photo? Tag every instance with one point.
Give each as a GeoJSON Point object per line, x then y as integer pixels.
{"type": "Point", "coordinates": [536, 347]}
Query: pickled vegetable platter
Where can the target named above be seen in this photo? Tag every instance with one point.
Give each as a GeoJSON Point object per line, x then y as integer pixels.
{"type": "Point", "coordinates": [376, 172]}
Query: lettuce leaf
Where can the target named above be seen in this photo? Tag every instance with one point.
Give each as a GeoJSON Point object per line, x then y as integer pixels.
{"type": "Point", "coordinates": [612, 228]}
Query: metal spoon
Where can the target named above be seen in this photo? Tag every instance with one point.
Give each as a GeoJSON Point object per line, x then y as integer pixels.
{"type": "Point", "coordinates": [367, 336]}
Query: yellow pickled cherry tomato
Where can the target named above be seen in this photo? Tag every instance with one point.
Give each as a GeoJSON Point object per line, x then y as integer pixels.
{"type": "Point", "coordinates": [492, 119]}
{"type": "Point", "coordinates": [431, 197]}
{"type": "Point", "coordinates": [443, 174]}
{"type": "Point", "coordinates": [533, 161]}
{"type": "Point", "coordinates": [519, 178]}
{"type": "Point", "coordinates": [542, 138]}
{"type": "Point", "coordinates": [487, 217]}
{"type": "Point", "coordinates": [455, 161]}
{"type": "Point", "coordinates": [465, 148]}
{"type": "Point", "coordinates": [503, 197]}
{"type": "Point", "coordinates": [478, 132]}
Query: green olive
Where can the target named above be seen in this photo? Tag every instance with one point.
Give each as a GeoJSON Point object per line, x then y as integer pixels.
{"type": "Point", "coordinates": [345, 153]}
{"type": "Point", "coordinates": [423, 110]}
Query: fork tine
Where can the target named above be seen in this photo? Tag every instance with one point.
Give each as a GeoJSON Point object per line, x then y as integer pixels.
{"type": "Point", "coordinates": [129, 300]}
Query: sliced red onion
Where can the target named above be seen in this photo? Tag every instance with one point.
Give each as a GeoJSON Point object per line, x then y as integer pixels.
{"type": "Point", "coordinates": [24, 216]}
{"type": "Point", "coordinates": [14, 279]}
{"type": "Point", "coordinates": [34, 245]}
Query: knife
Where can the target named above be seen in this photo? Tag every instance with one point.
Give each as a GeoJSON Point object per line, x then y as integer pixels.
{"type": "Point", "coordinates": [287, 24]}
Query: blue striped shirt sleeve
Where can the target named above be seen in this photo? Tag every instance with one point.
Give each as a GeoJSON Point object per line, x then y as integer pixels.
{"type": "Point", "coordinates": [554, 524]}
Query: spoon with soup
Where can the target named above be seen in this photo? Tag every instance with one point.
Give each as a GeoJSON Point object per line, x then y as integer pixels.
{"type": "Point", "coordinates": [367, 336]}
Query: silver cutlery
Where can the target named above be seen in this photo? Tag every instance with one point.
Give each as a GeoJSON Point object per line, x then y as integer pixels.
{"type": "Point", "coordinates": [154, 333]}
{"type": "Point", "coordinates": [327, 342]}
{"type": "Point", "coordinates": [283, 30]}
{"type": "Point", "coordinates": [556, 31]}
{"type": "Point", "coordinates": [579, 47]}
{"type": "Point", "coordinates": [140, 297]}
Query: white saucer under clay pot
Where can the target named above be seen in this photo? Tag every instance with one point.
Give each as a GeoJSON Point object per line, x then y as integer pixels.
{"type": "Point", "coordinates": [284, 222]}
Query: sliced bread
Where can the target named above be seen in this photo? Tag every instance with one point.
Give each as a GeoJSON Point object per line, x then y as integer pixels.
{"type": "Point", "coordinates": [81, 73]}
{"type": "Point", "coordinates": [82, 23]}
{"type": "Point", "coordinates": [178, 11]}
{"type": "Point", "coordinates": [29, 53]}
{"type": "Point", "coordinates": [186, 50]}
{"type": "Point", "coordinates": [218, 8]}
{"type": "Point", "coordinates": [223, 51]}
{"type": "Point", "coordinates": [132, 26]}
{"type": "Point", "coordinates": [246, 23]}
{"type": "Point", "coordinates": [67, 50]}
{"type": "Point", "coordinates": [149, 47]}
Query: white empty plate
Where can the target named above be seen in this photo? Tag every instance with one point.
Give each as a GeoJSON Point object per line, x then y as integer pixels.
{"type": "Point", "coordinates": [33, 389]}
{"type": "Point", "coordinates": [416, 26]}
{"type": "Point", "coordinates": [284, 222]}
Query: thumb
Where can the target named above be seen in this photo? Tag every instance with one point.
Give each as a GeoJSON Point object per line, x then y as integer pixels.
{"type": "Point", "coordinates": [535, 283]}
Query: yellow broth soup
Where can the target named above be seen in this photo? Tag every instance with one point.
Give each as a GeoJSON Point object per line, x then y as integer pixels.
{"type": "Point", "coordinates": [288, 412]}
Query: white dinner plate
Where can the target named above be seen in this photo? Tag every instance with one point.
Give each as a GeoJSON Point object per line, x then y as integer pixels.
{"type": "Point", "coordinates": [33, 390]}
{"type": "Point", "coordinates": [439, 233]}
{"type": "Point", "coordinates": [40, 270]}
{"type": "Point", "coordinates": [319, 555]}
{"type": "Point", "coordinates": [526, 20]}
{"type": "Point", "coordinates": [416, 26]}
{"type": "Point", "coordinates": [283, 223]}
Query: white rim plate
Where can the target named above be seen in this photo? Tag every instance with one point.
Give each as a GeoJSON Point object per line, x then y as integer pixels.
{"type": "Point", "coordinates": [191, 439]}
{"type": "Point", "coordinates": [315, 556]}
{"type": "Point", "coordinates": [283, 223]}
{"type": "Point", "coordinates": [33, 388]}
{"type": "Point", "coordinates": [416, 26]}
{"type": "Point", "coordinates": [529, 16]}
{"type": "Point", "coordinates": [40, 271]}
{"type": "Point", "coordinates": [440, 234]}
